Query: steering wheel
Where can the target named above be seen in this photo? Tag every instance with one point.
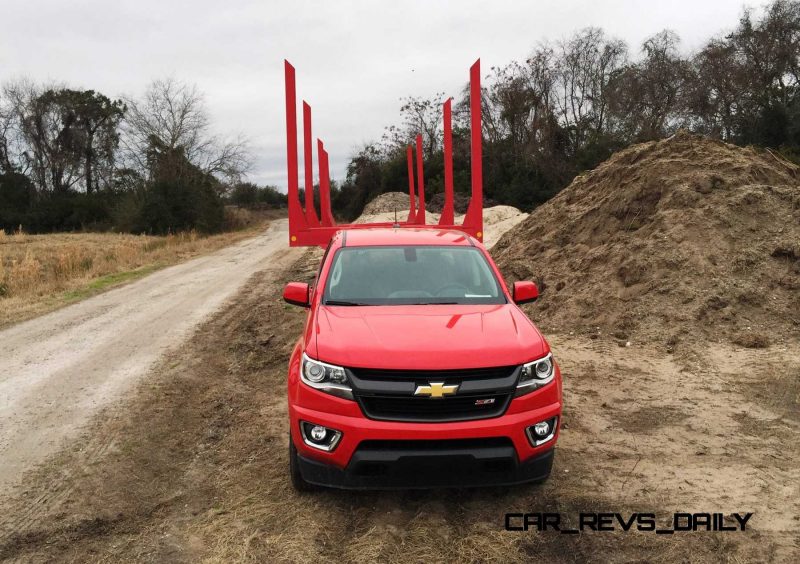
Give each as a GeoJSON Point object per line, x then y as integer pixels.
{"type": "Point", "coordinates": [451, 285]}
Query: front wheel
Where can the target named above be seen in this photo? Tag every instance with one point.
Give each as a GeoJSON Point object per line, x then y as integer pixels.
{"type": "Point", "coordinates": [298, 483]}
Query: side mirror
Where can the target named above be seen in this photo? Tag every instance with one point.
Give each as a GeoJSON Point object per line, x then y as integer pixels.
{"type": "Point", "coordinates": [296, 293]}
{"type": "Point", "coordinates": [525, 292]}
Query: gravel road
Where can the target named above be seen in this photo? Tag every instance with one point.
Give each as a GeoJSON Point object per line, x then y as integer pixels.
{"type": "Point", "coordinates": [59, 369]}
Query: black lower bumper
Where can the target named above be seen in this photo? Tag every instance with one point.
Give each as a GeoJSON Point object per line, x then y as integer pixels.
{"type": "Point", "coordinates": [429, 464]}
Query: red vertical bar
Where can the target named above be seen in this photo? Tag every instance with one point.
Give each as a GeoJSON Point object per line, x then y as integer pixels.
{"type": "Point", "coordinates": [447, 211]}
{"type": "Point", "coordinates": [296, 220]}
{"type": "Point", "coordinates": [421, 183]}
{"type": "Point", "coordinates": [412, 214]}
{"type": "Point", "coordinates": [324, 186]}
{"type": "Point", "coordinates": [474, 217]}
{"type": "Point", "coordinates": [311, 214]}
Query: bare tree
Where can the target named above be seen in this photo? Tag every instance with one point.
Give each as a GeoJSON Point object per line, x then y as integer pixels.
{"type": "Point", "coordinates": [648, 96]}
{"type": "Point", "coordinates": [713, 96]}
{"type": "Point", "coordinates": [172, 116]}
{"type": "Point", "coordinates": [585, 65]}
{"type": "Point", "coordinates": [6, 137]}
{"type": "Point", "coordinates": [420, 116]}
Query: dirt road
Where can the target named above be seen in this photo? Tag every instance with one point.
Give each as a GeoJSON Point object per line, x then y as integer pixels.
{"type": "Point", "coordinates": [193, 465]}
{"type": "Point", "coordinates": [61, 368]}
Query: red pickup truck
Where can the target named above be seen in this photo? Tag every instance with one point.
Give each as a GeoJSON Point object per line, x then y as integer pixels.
{"type": "Point", "coordinates": [416, 368]}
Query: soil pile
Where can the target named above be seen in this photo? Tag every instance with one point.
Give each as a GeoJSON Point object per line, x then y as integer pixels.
{"type": "Point", "coordinates": [668, 241]}
{"type": "Point", "coordinates": [496, 220]}
{"type": "Point", "coordinates": [388, 202]}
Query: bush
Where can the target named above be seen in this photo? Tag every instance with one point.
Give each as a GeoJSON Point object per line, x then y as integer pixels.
{"type": "Point", "coordinates": [237, 218]}
{"type": "Point", "coordinates": [249, 195]}
{"type": "Point", "coordinates": [16, 199]}
{"type": "Point", "coordinates": [171, 206]}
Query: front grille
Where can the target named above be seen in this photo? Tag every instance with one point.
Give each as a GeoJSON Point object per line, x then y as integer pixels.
{"type": "Point", "coordinates": [398, 408]}
{"type": "Point", "coordinates": [433, 375]}
{"type": "Point", "coordinates": [388, 395]}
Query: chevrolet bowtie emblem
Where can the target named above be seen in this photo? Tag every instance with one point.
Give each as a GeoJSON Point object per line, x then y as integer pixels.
{"type": "Point", "coordinates": [436, 390]}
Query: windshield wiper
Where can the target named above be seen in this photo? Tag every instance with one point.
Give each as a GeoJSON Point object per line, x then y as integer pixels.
{"type": "Point", "coordinates": [343, 303]}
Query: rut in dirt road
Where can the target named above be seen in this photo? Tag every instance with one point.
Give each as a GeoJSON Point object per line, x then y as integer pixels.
{"type": "Point", "coordinates": [59, 369]}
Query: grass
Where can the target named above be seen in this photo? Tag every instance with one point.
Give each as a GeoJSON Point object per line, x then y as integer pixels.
{"type": "Point", "coordinates": [39, 273]}
{"type": "Point", "coordinates": [108, 281]}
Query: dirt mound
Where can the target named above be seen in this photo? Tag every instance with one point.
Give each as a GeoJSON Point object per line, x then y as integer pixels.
{"type": "Point", "coordinates": [668, 241]}
{"type": "Point", "coordinates": [496, 220]}
{"type": "Point", "coordinates": [388, 202]}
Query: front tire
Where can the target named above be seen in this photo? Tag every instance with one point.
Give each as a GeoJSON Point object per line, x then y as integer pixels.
{"type": "Point", "coordinates": [298, 483]}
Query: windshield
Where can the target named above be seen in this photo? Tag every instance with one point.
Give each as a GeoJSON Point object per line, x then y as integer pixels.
{"type": "Point", "coordinates": [401, 275]}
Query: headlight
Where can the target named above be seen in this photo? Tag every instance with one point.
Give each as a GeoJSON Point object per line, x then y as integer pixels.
{"type": "Point", "coordinates": [325, 377]}
{"type": "Point", "coordinates": [536, 374]}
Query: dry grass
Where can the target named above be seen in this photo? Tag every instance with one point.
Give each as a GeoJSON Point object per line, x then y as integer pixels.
{"type": "Point", "coordinates": [39, 273]}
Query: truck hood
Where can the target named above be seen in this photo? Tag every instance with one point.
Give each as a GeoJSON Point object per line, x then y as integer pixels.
{"type": "Point", "coordinates": [437, 337]}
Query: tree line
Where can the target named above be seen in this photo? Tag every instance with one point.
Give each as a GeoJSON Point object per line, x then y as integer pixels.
{"type": "Point", "coordinates": [77, 159]}
{"type": "Point", "coordinates": [572, 103]}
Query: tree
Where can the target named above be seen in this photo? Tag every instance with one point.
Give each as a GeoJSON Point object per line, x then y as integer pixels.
{"type": "Point", "coordinates": [419, 116]}
{"type": "Point", "coordinates": [172, 115]}
{"type": "Point", "coordinates": [715, 91]}
{"type": "Point", "coordinates": [585, 66]}
{"type": "Point", "coordinates": [648, 95]}
{"type": "Point", "coordinates": [47, 133]}
{"type": "Point", "coordinates": [65, 137]}
{"type": "Point", "coordinates": [96, 119]}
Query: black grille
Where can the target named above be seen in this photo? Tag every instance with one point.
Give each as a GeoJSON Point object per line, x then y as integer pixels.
{"type": "Point", "coordinates": [433, 375]}
{"type": "Point", "coordinates": [389, 394]}
{"type": "Point", "coordinates": [398, 408]}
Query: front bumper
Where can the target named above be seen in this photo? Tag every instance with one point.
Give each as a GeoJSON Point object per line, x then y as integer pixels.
{"type": "Point", "coordinates": [358, 431]}
{"type": "Point", "coordinates": [416, 467]}
{"type": "Point", "coordinates": [342, 467]}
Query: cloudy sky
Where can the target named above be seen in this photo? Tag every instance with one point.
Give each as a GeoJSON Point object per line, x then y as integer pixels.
{"type": "Point", "coordinates": [354, 59]}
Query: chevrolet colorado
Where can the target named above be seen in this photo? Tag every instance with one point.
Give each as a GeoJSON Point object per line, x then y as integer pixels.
{"type": "Point", "coordinates": [416, 368]}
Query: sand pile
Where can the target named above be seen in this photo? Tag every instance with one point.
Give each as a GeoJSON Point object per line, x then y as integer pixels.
{"type": "Point", "coordinates": [388, 202]}
{"type": "Point", "coordinates": [496, 220]}
{"type": "Point", "coordinates": [668, 241]}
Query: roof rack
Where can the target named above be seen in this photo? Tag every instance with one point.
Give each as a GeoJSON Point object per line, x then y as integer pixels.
{"type": "Point", "coordinates": [306, 229]}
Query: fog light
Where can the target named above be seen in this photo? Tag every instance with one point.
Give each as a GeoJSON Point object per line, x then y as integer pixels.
{"type": "Point", "coordinates": [319, 437]}
{"type": "Point", "coordinates": [318, 433]}
{"type": "Point", "coordinates": [542, 432]}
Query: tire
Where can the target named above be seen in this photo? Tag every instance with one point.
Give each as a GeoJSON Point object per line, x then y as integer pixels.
{"type": "Point", "coordinates": [298, 483]}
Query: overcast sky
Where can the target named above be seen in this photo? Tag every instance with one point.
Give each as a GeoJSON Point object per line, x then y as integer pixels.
{"type": "Point", "coordinates": [354, 59]}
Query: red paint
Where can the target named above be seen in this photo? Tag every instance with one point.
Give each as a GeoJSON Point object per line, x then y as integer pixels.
{"type": "Point", "coordinates": [525, 292]}
{"type": "Point", "coordinates": [474, 216]}
{"type": "Point", "coordinates": [447, 211]}
{"type": "Point", "coordinates": [296, 218]}
{"type": "Point", "coordinates": [311, 214]}
{"type": "Point", "coordinates": [304, 226]}
{"type": "Point", "coordinates": [296, 293]}
{"type": "Point", "coordinates": [415, 337]}
{"type": "Point", "coordinates": [324, 186]}
{"type": "Point", "coordinates": [412, 214]}
{"type": "Point", "coordinates": [421, 219]}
